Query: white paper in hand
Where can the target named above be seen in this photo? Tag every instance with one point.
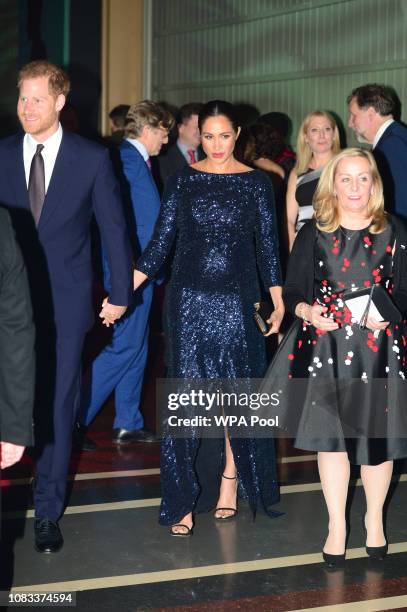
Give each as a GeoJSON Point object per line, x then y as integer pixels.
{"type": "Point", "coordinates": [357, 306]}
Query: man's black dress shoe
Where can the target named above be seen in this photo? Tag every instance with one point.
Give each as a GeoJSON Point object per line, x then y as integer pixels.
{"type": "Point", "coordinates": [81, 440]}
{"type": "Point", "coordinates": [48, 537]}
{"type": "Point", "coordinates": [130, 436]}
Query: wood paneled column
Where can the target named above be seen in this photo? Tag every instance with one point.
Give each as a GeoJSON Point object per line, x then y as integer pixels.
{"type": "Point", "coordinates": [122, 55]}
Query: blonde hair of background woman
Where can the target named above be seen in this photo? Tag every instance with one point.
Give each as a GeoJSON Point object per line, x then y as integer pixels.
{"type": "Point", "coordinates": [304, 153]}
{"type": "Point", "coordinates": [325, 202]}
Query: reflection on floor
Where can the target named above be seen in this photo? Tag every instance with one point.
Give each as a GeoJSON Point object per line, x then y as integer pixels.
{"type": "Point", "coordinates": [116, 556]}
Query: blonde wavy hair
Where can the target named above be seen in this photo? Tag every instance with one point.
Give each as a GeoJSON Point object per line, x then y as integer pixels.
{"type": "Point", "coordinates": [325, 201]}
{"type": "Point", "coordinates": [304, 153]}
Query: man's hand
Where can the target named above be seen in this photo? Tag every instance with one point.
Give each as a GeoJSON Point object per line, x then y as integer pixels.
{"type": "Point", "coordinates": [110, 313]}
{"type": "Point", "coordinates": [10, 454]}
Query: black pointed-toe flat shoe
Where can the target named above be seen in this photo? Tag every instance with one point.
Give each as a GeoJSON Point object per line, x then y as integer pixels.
{"type": "Point", "coordinates": [48, 536]}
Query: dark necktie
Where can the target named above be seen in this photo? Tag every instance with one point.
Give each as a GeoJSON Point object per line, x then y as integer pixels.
{"type": "Point", "coordinates": [148, 162]}
{"type": "Point", "coordinates": [36, 184]}
{"type": "Point", "coordinates": [192, 158]}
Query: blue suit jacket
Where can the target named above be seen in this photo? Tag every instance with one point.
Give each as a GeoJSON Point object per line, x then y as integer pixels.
{"type": "Point", "coordinates": [391, 158]}
{"type": "Point", "coordinates": [141, 201]}
{"type": "Point", "coordinates": [58, 251]}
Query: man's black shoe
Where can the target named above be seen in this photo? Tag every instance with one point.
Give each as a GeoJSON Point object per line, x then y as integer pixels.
{"type": "Point", "coordinates": [81, 440]}
{"type": "Point", "coordinates": [48, 537]}
{"type": "Point", "coordinates": [127, 436]}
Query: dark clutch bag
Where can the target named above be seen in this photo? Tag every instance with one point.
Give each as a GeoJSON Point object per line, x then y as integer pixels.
{"type": "Point", "coordinates": [262, 312]}
{"type": "Point", "coordinates": [377, 301]}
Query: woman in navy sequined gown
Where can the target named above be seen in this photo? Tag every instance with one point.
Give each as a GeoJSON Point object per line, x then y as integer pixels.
{"type": "Point", "coordinates": [220, 216]}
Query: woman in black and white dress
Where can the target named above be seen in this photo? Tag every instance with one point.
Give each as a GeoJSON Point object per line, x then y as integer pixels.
{"type": "Point", "coordinates": [317, 143]}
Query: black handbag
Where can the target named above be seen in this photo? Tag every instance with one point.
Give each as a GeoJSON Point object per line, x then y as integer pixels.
{"type": "Point", "coordinates": [373, 301]}
{"type": "Point", "coordinates": [262, 312]}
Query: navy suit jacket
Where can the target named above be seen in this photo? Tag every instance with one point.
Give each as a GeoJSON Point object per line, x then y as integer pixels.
{"type": "Point", "coordinates": [171, 161]}
{"type": "Point", "coordinates": [141, 201]}
{"type": "Point", "coordinates": [391, 157]}
{"type": "Point", "coordinates": [58, 252]}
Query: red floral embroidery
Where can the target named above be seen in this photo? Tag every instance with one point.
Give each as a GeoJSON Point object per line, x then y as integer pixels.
{"type": "Point", "coordinates": [347, 316]}
{"type": "Point", "coordinates": [335, 249]}
{"type": "Point", "coordinates": [371, 342]}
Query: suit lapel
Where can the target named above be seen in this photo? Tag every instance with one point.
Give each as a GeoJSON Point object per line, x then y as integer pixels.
{"type": "Point", "coordinates": [150, 174]}
{"type": "Point", "coordinates": [61, 175]}
{"type": "Point", "coordinates": [152, 181]}
{"type": "Point", "coordinates": [17, 173]}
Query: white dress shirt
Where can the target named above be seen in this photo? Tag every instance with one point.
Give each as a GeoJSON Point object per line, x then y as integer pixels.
{"type": "Point", "coordinates": [381, 131]}
{"type": "Point", "coordinates": [140, 148]}
{"type": "Point", "coordinates": [49, 154]}
{"type": "Point", "coordinates": [184, 150]}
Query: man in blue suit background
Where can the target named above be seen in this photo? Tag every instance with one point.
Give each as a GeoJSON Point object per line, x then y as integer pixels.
{"type": "Point", "coordinates": [372, 112]}
{"type": "Point", "coordinates": [52, 182]}
{"type": "Point", "coordinates": [120, 366]}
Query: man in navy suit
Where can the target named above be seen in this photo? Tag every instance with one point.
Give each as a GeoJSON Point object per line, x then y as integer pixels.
{"type": "Point", "coordinates": [186, 150]}
{"type": "Point", "coordinates": [52, 182]}
{"type": "Point", "coordinates": [372, 112]}
{"type": "Point", "coordinates": [120, 366]}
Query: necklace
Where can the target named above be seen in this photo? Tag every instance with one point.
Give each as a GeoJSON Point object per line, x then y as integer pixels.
{"type": "Point", "coordinates": [348, 236]}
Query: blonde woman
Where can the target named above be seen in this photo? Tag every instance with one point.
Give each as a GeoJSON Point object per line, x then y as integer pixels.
{"type": "Point", "coordinates": [317, 143]}
{"type": "Point", "coordinates": [352, 243]}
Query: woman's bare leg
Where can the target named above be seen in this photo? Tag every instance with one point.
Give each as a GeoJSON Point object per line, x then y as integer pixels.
{"type": "Point", "coordinates": [334, 472]}
{"type": "Point", "coordinates": [376, 481]}
{"type": "Point", "coordinates": [228, 486]}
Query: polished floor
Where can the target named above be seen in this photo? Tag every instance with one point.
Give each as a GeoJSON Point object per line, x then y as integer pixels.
{"type": "Point", "coordinates": [117, 557]}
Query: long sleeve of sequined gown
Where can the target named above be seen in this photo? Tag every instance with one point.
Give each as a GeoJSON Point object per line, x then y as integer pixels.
{"type": "Point", "coordinates": [223, 227]}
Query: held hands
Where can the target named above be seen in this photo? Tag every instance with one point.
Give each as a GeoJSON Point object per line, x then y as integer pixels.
{"type": "Point", "coordinates": [111, 313]}
{"type": "Point", "coordinates": [10, 454]}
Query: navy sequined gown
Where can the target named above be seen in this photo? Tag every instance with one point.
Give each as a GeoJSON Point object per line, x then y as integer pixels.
{"type": "Point", "coordinates": [224, 230]}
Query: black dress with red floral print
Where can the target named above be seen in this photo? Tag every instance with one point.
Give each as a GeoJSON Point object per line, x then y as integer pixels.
{"type": "Point", "coordinates": [367, 418]}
